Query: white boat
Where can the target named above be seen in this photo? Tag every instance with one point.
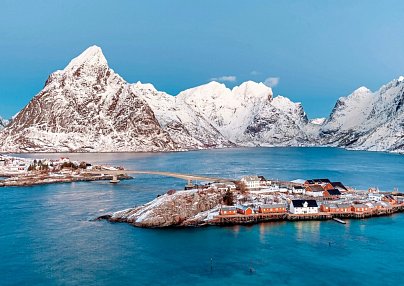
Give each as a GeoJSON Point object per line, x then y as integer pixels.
{"type": "Point", "coordinates": [339, 220]}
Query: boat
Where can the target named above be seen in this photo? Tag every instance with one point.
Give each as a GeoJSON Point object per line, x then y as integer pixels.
{"type": "Point", "coordinates": [339, 220]}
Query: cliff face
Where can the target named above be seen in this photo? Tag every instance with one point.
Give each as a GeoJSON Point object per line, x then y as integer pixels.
{"type": "Point", "coordinates": [178, 209]}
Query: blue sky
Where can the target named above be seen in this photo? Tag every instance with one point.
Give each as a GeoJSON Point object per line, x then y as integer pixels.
{"type": "Point", "coordinates": [314, 51]}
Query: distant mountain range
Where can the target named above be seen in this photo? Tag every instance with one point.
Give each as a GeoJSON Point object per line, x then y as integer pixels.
{"type": "Point", "coordinates": [87, 107]}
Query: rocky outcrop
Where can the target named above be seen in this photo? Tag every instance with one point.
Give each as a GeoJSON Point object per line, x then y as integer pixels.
{"type": "Point", "coordinates": [172, 209]}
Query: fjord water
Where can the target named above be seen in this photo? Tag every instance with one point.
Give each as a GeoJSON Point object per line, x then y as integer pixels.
{"type": "Point", "coordinates": [48, 237]}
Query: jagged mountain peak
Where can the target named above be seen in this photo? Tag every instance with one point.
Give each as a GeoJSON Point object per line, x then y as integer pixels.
{"type": "Point", "coordinates": [252, 88]}
{"type": "Point", "coordinates": [361, 90]}
{"type": "Point", "coordinates": [88, 107]}
{"type": "Point", "coordinates": [92, 56]}
{"type": "Point", "coordinates": [213, 89]}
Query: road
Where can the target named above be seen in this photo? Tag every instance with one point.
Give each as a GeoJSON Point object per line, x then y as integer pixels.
{"type": "Point", "coordinates": [186, 177]}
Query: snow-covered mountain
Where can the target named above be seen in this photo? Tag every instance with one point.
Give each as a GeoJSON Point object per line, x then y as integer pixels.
{"type": "Point", "coordinates": [88, 107]}
{"type": "Point", "coordinates": [248, 114]}
{"type": "Point", "coordinates": [189, 129]}
{"type": "Point", "coordinates": [368, 120]}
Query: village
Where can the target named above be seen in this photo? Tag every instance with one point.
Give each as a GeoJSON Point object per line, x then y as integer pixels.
{"type": "Point", "coordinates": [248, 200]}
{"type": "Point", "coordinates": [19, 171]}
{"type": "Point", "coordinates": [255, 199]}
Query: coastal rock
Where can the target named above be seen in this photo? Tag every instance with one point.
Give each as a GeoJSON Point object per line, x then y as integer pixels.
{"type": "Point", "coordinates": [178, 209]}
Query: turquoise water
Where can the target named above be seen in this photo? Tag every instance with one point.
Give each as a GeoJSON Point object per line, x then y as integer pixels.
{"type": "Point", "coordinates": [47, 236]}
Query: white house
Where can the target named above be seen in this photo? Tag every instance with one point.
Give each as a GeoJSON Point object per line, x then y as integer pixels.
{"type": "Point", "coordinates": [303, 207]}
{"type": "Point", "coordinates": [375, 197]}
{"type": "Point", "coordinates": [298, 190]}
{"type": "Point", "coordinates": [252, 182]}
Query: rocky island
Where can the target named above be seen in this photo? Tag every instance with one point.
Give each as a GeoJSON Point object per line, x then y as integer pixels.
{"type": "Point", "coordinates": [254, 199]}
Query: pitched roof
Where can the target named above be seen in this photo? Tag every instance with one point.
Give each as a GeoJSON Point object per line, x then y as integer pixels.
{"type": "Point", "coordinates": [268, 206]}
{"type": "Point", "coordinates": [299, 203]}
{"type": "Point", "coordinates": [344, 205]}
{"type": "Point", "coordinates": [334, 192]}
{"type": "Point", "coordinates": [360, 206]}
{"type": "Point", "coordinates": [262, 178]}
{"type": "Point", "coordinates": [298, 187]}
{"type": "Point", "coordinates": [299, 181]}
{"type": "Point", "coordinates": [321, 181]}
{"type": "Point", "coordinates": [241, 207]}
{"type": "Point", "coordinates": [229, 208]}
{"type": "Point", "coordinates": [338, 185]}
{"type": "Point", "coordinates": [250, 178]}
{"type": "Point", "coordinates": [316, 188]}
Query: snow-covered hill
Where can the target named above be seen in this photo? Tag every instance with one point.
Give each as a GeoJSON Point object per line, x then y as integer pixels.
{"type": "Point", "coordinates": [88, 107]}
{"type": "Point", "coordinates": [368, 120]}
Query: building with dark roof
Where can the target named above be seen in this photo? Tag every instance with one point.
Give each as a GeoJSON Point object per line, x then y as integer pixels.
{"type": "Point", "coordinates": [303, 207]}
{"type": "Point", "coordinates": [332, 194]}
{"type": "Point", "coordinates": [314, 188]}
{"type": "Point", "coordinates": [339, 186]}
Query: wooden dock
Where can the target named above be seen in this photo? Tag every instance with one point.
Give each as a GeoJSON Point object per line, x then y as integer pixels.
{"type": "Point", "coordinates": [265, 217]}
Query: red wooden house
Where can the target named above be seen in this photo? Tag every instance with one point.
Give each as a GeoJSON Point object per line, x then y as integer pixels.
{"type": "Point", "coordinates": [275, 208]}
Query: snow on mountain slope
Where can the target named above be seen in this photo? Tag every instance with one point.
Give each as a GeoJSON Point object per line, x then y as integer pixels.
{"type": "Point", "coordinates": [318, 121]}
{"type": "Point", "coordinates": [86, 107]}
{"type": "Point", "coordinates": [189, 129]}
{"type": "Point", "coordinates": [247, 114]}
{"type": "Point", "coordinates": [368, 121]}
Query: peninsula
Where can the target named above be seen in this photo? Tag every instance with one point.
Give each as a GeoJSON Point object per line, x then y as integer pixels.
{"type": "Point", "coordinates": [18, 171]}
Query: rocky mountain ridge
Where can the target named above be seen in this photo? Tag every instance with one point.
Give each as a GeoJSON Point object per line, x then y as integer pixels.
{"type": "Point", "coordinates": [87, 107]}
{"type": "Point", "coordinates": [367, 120]}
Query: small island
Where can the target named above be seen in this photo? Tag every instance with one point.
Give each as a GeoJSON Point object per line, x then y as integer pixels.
{"type": "Point", "coordinates": [254, 199]}
{"type": "Point", "coordinates": [19, 171]}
